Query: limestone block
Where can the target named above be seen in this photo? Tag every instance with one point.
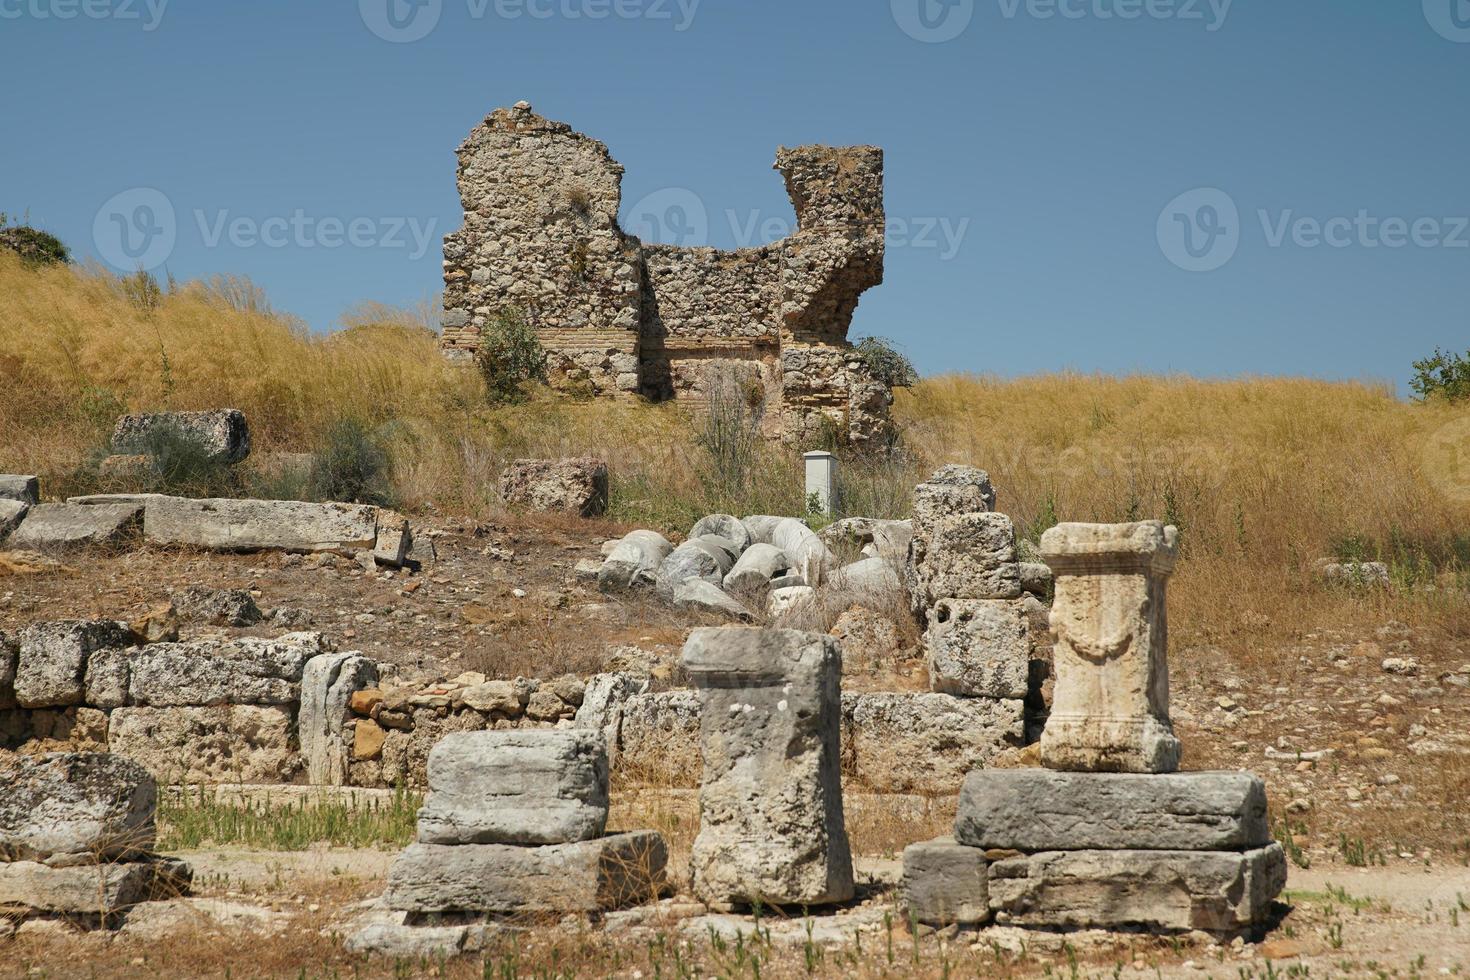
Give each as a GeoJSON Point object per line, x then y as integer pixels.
{"type": "Point", "coordinates": [328, 682]}
{"type": "Point", "coordinates": [105, 681]}
{"type": "Point", "coordinates": [1042, 810]}
{"type": "Point", "coordinates": [706, 558]}
{"type": "Point", "coordinates": [217, 607]}
{"type": "Point", "coordinates": [787, 598]}
{"type": "Point", "coordinates": [506, 698]}
{"type": "Point", "coordinates": [761, 527]}
{"type": "Point", "coordinates": [516, 787]}
{"type": "Point", "coordinates": [56, 526]}
{"type": "Point", "coordinates": [1110, 709]}
{"type": "Point", "coordinates": [225, 744]}
{"type": "Point", "coordinates": [633, 561]}
{"type": "Point", "coordinates": [726, 526]}
{"type": "Point", "coordinates": [771, 819]}
{"type": "Point", "coordinates": [53, 657]}
{"type": "Point", "coordinates": [213, 671]}
{"type": "Point", "coordinates": [576, 486]}
{"type": "Point", "coordinates": [99, 889]}
{"type": "Point", "coordinates": [872, 578]}
{"type": "Point", "coordinates": [1213, 891]}
{"type": "Point", "coordinates": [952, 491]}
{"type": "Point", "coordinates": [886, 732]}
{"type": "Point", "coordinates": [24, 488]}
{"type": "Point", "coordinates": [758, 564]}
{"type": "Point", "coordinates": [75, 808]}
{"type": "Point", "coordinates": [9, 654]}
{"type": "Point", "coordinates": [979, 648]}
{"type": "Point", "coordinates": [253, 525]}
{"type": "Point", "coordinates": [394, 543]}
{"type": "Point", "coordinates": [586, 876]}
{"type": "Point", "coordinates": [967, 556]}
{"type": "Point", "coordinates": [659, 736]}
{"type": "Point", "coordinates": [223, 435]}
{"type": "Point", "coordinates": [12, 512]}
{"type": "Point", "coordinates": [697, 595]}
{"type": "Point", "coordinates": [1036, 578]}
{"type": "Point", "coordinates": [945, 883]}
{"type": "Point", "coordinates": [603, 704]}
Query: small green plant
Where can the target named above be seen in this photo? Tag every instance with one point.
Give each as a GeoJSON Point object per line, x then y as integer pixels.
{"type": "Point", "coordinates": [192, 817]}
{"type": "Point", "coordinates": [34, 246]}
{"type": "Point", "coordinates": [1285, 837]}
{"type": "Point", "coordinates": [353, 465]}
{"type": "Point", "coordinates": [510, 357]}
{"type": "Point", "coordinates": [885, 363]}
{"type": "Point", "coordinates": [1357, 853]}
{"type": "Point", "coordinates": [1442, 375]}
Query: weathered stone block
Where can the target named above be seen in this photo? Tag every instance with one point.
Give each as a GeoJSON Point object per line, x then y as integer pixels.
{"type": "Point", "coordinates": [395, 542]}
{"type": "Point", "coordinates": [53, 659]}
{"type": "Point", "coordinates": [979, 648]}
{"type": "Point", "coordinates": [328, 682]}
{"type": "Point", "coordinates": [252, 525]}
{"type": "Point", "coordinates": [634, 561]}
{"type": "Point", "coordinates": [758, 564]}
{"type": "Point", "coordinates": [698, 595]}
{"type": "Point", "coordinates": [9, 654]}
{"type": "Point", "coordinates": [201, 673]}
{"type": "Point", "coordinates": [887, 732]}
{"type": "Point", "coordinates": [12, 512]}
{"type": "Point", "coordinates": [516, 787]}
{"type": "Point", "coordinates": [1041, 810]}
{"type": "Point", "coordinates": [100, 889]}
{"type": "Point", "coordinates": [577, 486]}
{"type": "Point", "coordinates": [24, 488]}
{"type": "Point", "coordinates": [944, 883]}
{"type": "Point", "coordinates": [57, 526]}
{"type": "Point", "coordinates": [952, 491]}
{"type": "Point", "coordinates": [1214, 891]}
{"type": "Point", "coordinates": [75, 809]}
{"type": "Point", "coordinates": [225, 744]}
{"type": "Point", "coordinates": [586, 876]}
{"type": "Point", "coordinates": [223, 435]}
{"type": "Point", "coordinates": [659, 736]}
{"type": "Point", "coordinates": [1110, 711]}
{"type": "Point", "coordinates": [969, 556]}
{"type": "Point", "coordinates": [726, 526]}
{"type": "Point", "coordinates": [217, 607]}
{"type": "Point", "coordinates": [771, 823]}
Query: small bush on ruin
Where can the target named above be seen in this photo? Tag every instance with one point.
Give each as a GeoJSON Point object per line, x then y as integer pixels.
{"type": "Point", "coordinates": [36, 247]}
{"type": "Point", "coordinates": [353, 465]}
{"type": "Point", "coordinates": [1444, 375]}
{"type": "Point", "coordinates": [886, 364]}
{"type": "Point", "coordinates": [510, 357]}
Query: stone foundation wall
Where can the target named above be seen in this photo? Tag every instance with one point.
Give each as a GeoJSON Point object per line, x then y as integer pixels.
{"type": "Point", "coordinates": [541, 239]}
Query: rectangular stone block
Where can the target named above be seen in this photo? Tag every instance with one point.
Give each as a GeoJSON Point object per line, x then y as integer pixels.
{"type": "Point", "coordinates": [12, 512]}
{"type": "Point", "coordinates": [1041, 810]}
{"type": "Point", "coordinates": [968, 556]}
{"type": "Point", "coordinates": [97, 889]}
{"type": "Point", "coordinates": [586, 876]}
{"type": "Point", "coordinates": [52, 664]}
{"type": "Point", "coordinates": [253, 525]}
{"type": "Point", "coordinates": [224, 744]}
{"type": "Point", "coordinates": [516, 787]}
{"type": "Point", "coordinates": [201, 673]}
{"type": "Point", "coordinates": [1214, 891]}
{"type": "Point", "coordinates": [24, 488]}
{"type": "Point", "coordinates": [75, 808]}
{"type": "Point", "coordinates": [223, 435]}
{"type": "Point", "coordinates": [57, 526]}
{"type": "Point", "coordinates": [945, 883]}
{"type": "Point", "coordinates": [770, 801]}
{"type": "Point", "coordinates": [926, 743]}
{"type": "Point", "coordinates": [979, 648]}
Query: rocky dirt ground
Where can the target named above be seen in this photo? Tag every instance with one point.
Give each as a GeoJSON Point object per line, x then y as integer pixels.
{"type": "Point", "coordinates": [1362, 734]}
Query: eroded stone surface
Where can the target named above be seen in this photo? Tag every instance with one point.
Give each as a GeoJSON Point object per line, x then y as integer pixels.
{"type": "Point", "coordinates": [75, 808]}
{"type": "Point", "coordinates": [58, 526]}
{"type": "Point", "coordinates": [979, 648]}
{"type": "Point", "coordinates": [887, 732]}
{"type": "Point", "coordinates": [22, 487]}
{"type": "Point", "coordinates": [575, 486]}
{"type": "Point", "coordinates": [52, 663]}
{"type": "Point", "coordinates": [945, 883]}
{"type": "Point", "coordinates": [253, 525]}
{"type": "Point", "coordinates": [91, 890]}
{"type": "Point", "coordinates": [633, 561]}
{"type": "Point", "coordinates": [328, 682]}
{"type": "Point", "coordinates": [240, 671]}
{"type": "Point", "coordinates": [225, 744]}
{"type": "Point", "coordinates": [771, 824]}
{"type": "Point", "coordinates": [223, 435]}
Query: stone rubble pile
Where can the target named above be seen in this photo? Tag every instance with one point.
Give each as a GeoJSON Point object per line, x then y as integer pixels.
{"type": "Point", "coordinates": [77, 838]}
{"type": "Point", "coordinates": [1107, 835]}
{"type": "Point", "coordinates": [513, 831]}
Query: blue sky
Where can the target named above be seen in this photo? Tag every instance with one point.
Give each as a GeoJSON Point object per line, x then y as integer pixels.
{"type": "Point", "coordinates": [1204, 186]}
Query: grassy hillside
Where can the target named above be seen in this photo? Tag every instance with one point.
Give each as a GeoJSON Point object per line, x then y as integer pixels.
{"type": "Point", "coordinates": [1262, 475]}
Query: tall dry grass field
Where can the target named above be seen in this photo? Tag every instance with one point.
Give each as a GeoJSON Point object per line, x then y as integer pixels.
{"type": "Point", "coordinates": [1263, 476]}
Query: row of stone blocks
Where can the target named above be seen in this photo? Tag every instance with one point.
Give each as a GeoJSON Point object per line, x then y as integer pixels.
{"type": "Point", "coordinates": [1163, 853]}
{"type": "Point", "coordinates": [77, 834]}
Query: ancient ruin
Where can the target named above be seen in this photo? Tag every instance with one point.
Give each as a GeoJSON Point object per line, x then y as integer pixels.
{"type": "Point", "coordinates": [541, 240]}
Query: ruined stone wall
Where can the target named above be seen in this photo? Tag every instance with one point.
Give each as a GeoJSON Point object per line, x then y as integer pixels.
{"type": "Point", "coordinates": [541, 238]}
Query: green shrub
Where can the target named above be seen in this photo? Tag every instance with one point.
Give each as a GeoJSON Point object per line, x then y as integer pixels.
{"type": "Point", "coordinates": [886, 364]}
{"type": "Point", "coordinates": [32, 244]}
{"type": "Point", "coordinates": [183, 465]}
{"type": "Point", "coordinates": [510, 357]}
{"type": "Point", "coordinates": [1445, 375]}
{"type": "Point", "coordinates": [353, 465]}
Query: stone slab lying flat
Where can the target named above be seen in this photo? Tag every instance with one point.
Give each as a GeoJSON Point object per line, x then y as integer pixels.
{"type": "Point", "coordinates": [95, 889]}
{"type": "Point", "coordinates": [1043, 810]}
{"type": "Point", "coordinates": [945, 883]}
{"type": "Point", "coordinates": [202, 673]}
{"type": "Point", "coordinates": [1214, 891]}
{"type": "Point", "coordinates": [254, 525]}
{"type": "Point", "coordinates": [24, 488]}
{"type": "Point", "coordinates": [516, 787]}
{"type": "Point", "coordinates": [52, 526]}
{"type": "Point", "coordinates": [75, 808]}
{"type": "Point", "coordinates": [588, 876]}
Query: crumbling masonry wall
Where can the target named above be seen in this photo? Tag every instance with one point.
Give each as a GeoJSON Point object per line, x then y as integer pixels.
{"type": "Point", "coordinates": [541, 238]}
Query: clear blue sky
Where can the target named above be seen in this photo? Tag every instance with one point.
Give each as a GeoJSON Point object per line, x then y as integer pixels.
{"type": "Point", "coordinates": [1048, 138]}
